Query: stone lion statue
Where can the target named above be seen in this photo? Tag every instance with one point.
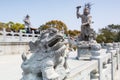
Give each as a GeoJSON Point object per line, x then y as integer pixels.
{"type": "Point", "coordinates": [48, 59]}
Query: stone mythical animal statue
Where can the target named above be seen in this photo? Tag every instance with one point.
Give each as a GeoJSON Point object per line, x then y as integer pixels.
{"type": "Point", "coordinates": [47, 61]}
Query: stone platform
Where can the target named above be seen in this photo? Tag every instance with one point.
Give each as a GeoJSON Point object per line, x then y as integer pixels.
{"type": "Point", "coordinates": [79, 69]}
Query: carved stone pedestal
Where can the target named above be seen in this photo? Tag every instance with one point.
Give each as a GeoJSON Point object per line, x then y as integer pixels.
{"type": "Point", "coordinates": [87, 49]}
{"type": "Point", "coordinates": [83, 51]}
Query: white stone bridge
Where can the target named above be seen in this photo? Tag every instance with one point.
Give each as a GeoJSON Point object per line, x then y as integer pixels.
{"type": "Point", "coordinates": [17, 36]}
{"type": "Point", "coordinates": [105, 66]}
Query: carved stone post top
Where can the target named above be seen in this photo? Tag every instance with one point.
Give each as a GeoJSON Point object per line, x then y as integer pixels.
{"type": "Point", "coordinates": [115, 45]}
{"type": "Point", "coordinates": [109, 44]}
{"type": "Point", "coordinates": [33, 32]}
{"type": "Point", "coordinates": [4, 30]}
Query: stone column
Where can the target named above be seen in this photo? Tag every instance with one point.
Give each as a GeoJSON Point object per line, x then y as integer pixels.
{"type": "Point", "coordinates": [94, 75]}
{"type": "Point", "coordinates": [119, 50]}
{"type": "Point", "coordinates": [116, 47]}
{"type": "Point", "coordinates": [20, 36]}
{"type": "Point", "coordinates": [96, 56]}
{"type": "Point", "coordinates": [83, 50]}
{"type": "Point", "coordinates": [33, 35]}
{"type": "Point", "coordinates": [111, 51]}
{"type": "Point", "coordinates": [4, 34]}
{"type": "Point", "coordinates": [12, 35]}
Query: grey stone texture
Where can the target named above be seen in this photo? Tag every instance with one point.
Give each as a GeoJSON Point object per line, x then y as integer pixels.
{"type": "Point", "coordinates": [48, 61]}
{"type": "Point", "coordinates": [87, 33]}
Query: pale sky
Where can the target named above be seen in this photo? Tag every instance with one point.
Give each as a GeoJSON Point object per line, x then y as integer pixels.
{"type": "Point", "coordinates": [103, 12]}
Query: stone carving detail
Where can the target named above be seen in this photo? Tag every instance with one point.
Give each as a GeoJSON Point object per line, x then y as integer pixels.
{"type": "Point", "coordinates": [86, 43]}
{"type": "Point", "coordinates": [87, 33]}
{"type": "Point", "coordinates": [48, 59]}
{"type": "Point", "coordinates": [86, 49]}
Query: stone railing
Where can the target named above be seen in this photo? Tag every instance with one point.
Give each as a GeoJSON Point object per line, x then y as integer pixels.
{"type": "Point", "coordinates": [10, 48]}
{"type": "Point", "coordinates": [17, 36]}
{"type": "Point", "coordinates": [104, 66]}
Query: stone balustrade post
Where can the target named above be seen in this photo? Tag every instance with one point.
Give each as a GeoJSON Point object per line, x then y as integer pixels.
{"type": "Point", "coordinates": [116, 47]}
{"type": "Point", "coordinates": [20, 35]}
{"type": "Point", "coordinates": [12, 34]}
{"type": "Point", "coordinates": [96, 55]}
{"type": "Point", "coordinates": [4, 34]}
{"type": "Point", "coordinates": [94, 75]}
{"type": "Point", "coordinates": [33, 35]}
{"type": "Point", "coordinates": [119, 50]}
{"type": "Point", "coordinates": [111, 51]}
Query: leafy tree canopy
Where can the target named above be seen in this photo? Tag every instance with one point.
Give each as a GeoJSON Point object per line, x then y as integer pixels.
{"type": "Point", "coordinates": [60, 26]}
{"type": "Point", "coordinates": [11, 26]}
{"type": "Point", "coordinates": [110, 33]}
{"type": "Point", "coordinates": [73, 33]}
{"type": "Point", "coordinates": [56, 24]}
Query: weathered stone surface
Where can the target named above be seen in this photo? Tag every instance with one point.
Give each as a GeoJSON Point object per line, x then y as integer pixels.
{"type": "Point", "coordinates": [86, 49]}
{"type": "Point", "coordinates": [87, 33]}
{"type": "Point", "coordinates": [8, 48]}
{"type": "Point", "coordinates": [86, 43]}
{"type": "Point", "coordinates": [79, 69]}
{"type": "Point", "coordinates": [48, 59]}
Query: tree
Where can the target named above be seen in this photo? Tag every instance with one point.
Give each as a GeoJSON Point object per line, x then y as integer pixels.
{"type": "Point", "coordinates": [44, 27]}
{"type": "Point", "coordinates": [117, 39]}
{"type": "Point", "coordinates": [109, 34]}
{"type": "Point", "coordinates": [60, 26]}
{"type": "Point", "coordinates": [114, 28]}
{"type": "Point", "coordinates": [3, 25]}
{"type": "Point", "coordinates": [17, 26]}
{"type": "Point", "coordinates": [101, 38]}
{"type": "Point", "coordinates": [55, 24]}
{"type": "Point", "coordinates": [73, 33]}
{"type": "Point", "coordinates": [11, 26]}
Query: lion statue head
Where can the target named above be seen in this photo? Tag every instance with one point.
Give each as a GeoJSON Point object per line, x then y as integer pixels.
{"type": "Point", "coordinates": [48, 54]}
